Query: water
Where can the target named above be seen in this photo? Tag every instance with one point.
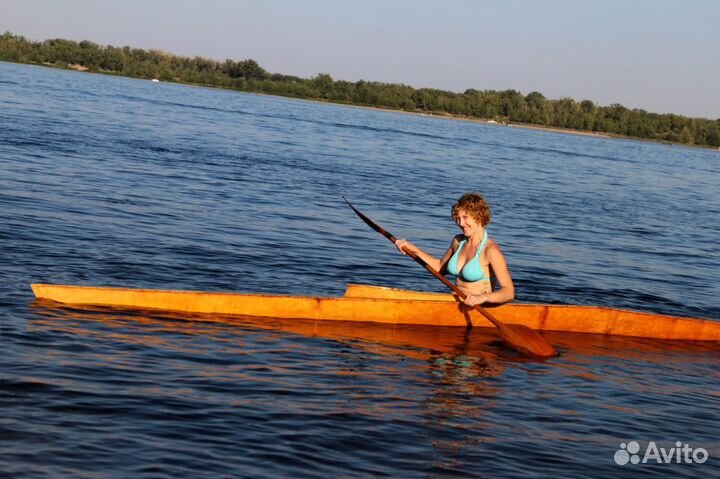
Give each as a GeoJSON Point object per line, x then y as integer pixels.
{"type": "Point", "coordinates": [114, 181]}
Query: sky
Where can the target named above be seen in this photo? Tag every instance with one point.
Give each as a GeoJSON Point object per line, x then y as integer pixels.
{"type": "Point", "coordinates": [662, 56]}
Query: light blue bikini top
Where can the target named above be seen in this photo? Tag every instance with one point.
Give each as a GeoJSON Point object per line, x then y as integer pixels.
{"type": "Point", "coordinates": [472, 271]}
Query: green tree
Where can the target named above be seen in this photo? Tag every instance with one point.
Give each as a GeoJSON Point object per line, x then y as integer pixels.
{"type": "Point", "coordinates": [323, 84]}
{"type": "Point", "coordinates": [537, 109]}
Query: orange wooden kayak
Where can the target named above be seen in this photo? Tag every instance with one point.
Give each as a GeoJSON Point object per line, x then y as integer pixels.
{"type": "Point", "coordinates": [362, 303]}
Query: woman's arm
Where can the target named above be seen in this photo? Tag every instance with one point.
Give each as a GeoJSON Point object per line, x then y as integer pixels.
{"type": "Point", "coordinates": [436, 264]}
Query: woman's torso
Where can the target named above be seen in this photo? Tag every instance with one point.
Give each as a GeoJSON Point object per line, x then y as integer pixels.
{"type": "Point", "coordinates": [472, 272]}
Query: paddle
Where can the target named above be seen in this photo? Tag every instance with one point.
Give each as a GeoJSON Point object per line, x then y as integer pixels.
{"type": "Point", "coordinates": [517, 336]}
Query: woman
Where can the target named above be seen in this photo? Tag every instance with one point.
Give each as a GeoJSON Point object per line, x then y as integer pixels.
{"type": "Point", "coordinates": [472, 257]}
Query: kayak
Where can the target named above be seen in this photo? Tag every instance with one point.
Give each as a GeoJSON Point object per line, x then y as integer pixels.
{"type": "Point", "coordinates": [364, 303]}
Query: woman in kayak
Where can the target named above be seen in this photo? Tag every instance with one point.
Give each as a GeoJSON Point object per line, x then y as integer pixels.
{"type": "Point", "coordinates": [472, 257]}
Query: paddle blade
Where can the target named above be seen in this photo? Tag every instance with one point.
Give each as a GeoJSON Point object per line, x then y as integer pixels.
{"type": "Point", "coordinates": [525, 340]}
{"type": "Point", "coordinates": [370, 222]}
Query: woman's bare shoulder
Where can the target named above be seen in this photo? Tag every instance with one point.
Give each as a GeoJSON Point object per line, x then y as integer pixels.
{"type": "Point", "coordinates": [457, 239]}
{"type": "Point", "coordinates": [492, 248]}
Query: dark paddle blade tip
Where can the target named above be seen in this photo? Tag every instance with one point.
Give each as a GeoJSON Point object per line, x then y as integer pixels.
{"type": "Point", "coordinates": [526, 340]}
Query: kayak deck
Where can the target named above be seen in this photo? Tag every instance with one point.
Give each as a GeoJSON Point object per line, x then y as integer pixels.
{"type": "Point", "coordinates": [362, 303]}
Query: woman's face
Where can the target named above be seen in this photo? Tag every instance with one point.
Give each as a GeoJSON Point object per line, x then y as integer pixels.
{"type": "Point", "coordinates": [466, 222]}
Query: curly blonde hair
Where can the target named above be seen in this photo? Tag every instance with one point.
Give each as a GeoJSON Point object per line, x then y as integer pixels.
{"type": "Point", "coordinates": [475, 205]}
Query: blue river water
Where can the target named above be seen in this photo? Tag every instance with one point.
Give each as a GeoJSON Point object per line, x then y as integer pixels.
{"type": "Point", "coordinates": [122, 182]}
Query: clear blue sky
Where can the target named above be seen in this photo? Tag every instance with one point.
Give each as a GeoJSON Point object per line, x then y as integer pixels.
{"type": "Point", "coordinates": [659, 55]}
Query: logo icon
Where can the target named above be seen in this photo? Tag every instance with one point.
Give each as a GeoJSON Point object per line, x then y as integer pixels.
{"type": "Point", "coordinates": [628, 453]}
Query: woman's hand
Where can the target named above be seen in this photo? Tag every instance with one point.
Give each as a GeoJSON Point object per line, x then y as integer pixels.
{"type": "Point", "coordinates": [476, 299]}
{"type": "Point", "coordinates": [403, 244]}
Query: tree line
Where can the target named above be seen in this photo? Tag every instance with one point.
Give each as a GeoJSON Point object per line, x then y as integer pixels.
{"type": "Point", "coordinates": [247, 75]}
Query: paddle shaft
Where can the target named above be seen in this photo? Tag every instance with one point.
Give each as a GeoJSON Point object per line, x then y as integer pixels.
{"type": "Point", "coordinates": [422, 262]}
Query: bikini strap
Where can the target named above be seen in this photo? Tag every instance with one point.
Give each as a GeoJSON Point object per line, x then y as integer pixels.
{"type": "Point", "coordinates": [482, 244]}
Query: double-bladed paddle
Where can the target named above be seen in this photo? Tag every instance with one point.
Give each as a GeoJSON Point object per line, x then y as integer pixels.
{"type": "Point", "coordinates": [517, 336]}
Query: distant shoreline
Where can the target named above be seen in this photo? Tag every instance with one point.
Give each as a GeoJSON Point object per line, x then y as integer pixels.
{"type": "Point", "coordinates": [445, 116]}
{"type": "Point", "coordinates": [497, 123]}
{"type": "Point", "coordinates": [526, 126]}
